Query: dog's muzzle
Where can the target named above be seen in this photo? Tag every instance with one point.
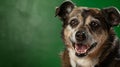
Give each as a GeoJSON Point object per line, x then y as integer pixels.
{"type": "Point", "coordinates": [81, 44]}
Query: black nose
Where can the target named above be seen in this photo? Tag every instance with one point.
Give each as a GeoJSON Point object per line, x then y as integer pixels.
{"type": "Point", "coordinates": [80, 36]}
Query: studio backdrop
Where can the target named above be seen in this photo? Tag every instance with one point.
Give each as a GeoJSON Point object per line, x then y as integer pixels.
{"type": "Point", "coordinates": [30, 34]}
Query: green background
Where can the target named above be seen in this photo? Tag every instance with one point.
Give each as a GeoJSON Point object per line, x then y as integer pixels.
{"type": "Point", "coordinates": [30, 34]}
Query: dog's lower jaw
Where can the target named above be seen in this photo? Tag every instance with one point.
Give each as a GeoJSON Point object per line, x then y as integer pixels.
{"type": "Point", "coordinates": [81, 61]}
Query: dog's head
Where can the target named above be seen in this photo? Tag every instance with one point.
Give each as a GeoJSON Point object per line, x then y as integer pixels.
{"type": "Point", "coordinates": [85, 30]}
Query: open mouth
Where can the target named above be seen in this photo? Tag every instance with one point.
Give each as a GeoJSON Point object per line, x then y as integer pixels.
{"type": "Point", "coordinates": [83, 49]}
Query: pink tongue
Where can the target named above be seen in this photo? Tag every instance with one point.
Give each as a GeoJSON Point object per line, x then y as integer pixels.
{"type": "Point", "coordinates": [81, 48]}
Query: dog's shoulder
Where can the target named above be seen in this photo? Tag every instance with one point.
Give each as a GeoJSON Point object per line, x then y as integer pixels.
{"type": "Point", "coordinates": [117, 58]}
{"type": "Point", "coordinates": [116, 61]}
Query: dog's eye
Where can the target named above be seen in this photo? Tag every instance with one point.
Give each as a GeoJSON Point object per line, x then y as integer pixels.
{"type": "Point", "coordinates": [74, 22]}
{"type": "Point", "coordinates": [94, 24]}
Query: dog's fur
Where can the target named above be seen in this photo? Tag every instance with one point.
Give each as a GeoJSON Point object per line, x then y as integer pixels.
{"type": "Point", "coordinates": [95, 44]}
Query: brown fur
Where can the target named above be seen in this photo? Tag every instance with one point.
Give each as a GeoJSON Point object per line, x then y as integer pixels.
{"type": "Point", "coordinates": [65, 56]}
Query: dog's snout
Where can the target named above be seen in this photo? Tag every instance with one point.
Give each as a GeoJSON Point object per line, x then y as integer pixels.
{"type": "Point", "coordinates": [80, 36]}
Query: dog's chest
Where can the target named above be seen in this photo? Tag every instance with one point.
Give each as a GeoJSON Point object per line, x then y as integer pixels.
{"type": "Point", "coordinates": [85, 63]}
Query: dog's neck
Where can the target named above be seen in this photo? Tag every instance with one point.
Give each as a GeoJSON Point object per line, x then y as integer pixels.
{"type": "Point", "coordinates": [110, 55]}
{"type": "Point", "coordinates": [81, 61]}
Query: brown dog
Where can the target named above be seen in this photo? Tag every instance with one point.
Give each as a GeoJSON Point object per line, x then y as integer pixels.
{"type": "Point", "coordinates": [88, 36]}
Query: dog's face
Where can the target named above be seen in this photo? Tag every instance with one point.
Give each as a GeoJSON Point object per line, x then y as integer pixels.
{"type": "Point", "coordinates": [85, 30]}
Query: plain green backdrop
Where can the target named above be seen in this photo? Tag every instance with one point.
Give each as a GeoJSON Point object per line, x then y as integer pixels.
{"type": "Point", "coordinates": [30, 34]}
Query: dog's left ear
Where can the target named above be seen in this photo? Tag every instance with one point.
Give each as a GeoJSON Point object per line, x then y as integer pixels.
{"type": "Point", "coordinates": [64, 10]}
{"type": "Point", "coordinates": [111, 15]}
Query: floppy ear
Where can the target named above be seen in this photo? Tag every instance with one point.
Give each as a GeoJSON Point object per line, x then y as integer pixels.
{"type": "Point", "coordinates": [111, 15]}
{"type": "Point", "coordinates": [64, 10]}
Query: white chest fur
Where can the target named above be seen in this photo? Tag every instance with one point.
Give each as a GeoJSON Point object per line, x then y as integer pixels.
{"type": "Point", "coordinates": [81, 61]}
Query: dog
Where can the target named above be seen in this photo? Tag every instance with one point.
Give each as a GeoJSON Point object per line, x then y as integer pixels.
{"type": "Point", "coordinates": [89, 37]}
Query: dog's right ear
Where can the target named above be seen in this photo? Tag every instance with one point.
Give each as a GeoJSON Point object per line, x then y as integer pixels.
{"type": "Point", "coordinates": [64, 10]}
{"type": "Point", "coordinates": [112, 15]}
